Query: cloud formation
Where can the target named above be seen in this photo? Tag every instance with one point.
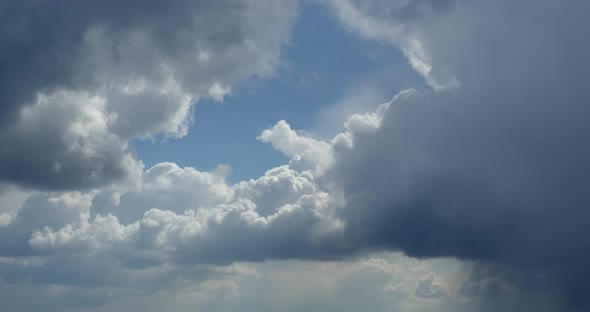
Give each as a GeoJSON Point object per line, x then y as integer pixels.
{"type": "Point", "coordinates": [491, 167]}
{"type": "Point", "coordinates": [494, 170]}
{"type": "Point", "coordinates": [400, 23]}
{"type": "Point", "coordinates": [80, 79]}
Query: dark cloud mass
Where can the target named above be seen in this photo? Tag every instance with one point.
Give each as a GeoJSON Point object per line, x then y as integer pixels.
{"type": "Point", "coordinates": [496, 169]}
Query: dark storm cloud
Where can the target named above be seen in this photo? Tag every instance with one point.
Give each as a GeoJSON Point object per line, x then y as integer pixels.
{"type": "Point", "coordinates": [495, 170]}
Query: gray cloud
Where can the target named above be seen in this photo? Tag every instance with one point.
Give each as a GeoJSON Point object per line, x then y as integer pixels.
{"type": "Point", "coordinates": [80, 78]}
{"type": "Point", "coordinates": [429, 286]}
{"type": "Point", "coordinates": [490, 168]}
{"type": "Point", "coordinates": [495, 168]}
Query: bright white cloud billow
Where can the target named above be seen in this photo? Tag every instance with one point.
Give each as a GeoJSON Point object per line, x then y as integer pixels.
{"type": "Point", "coordinates": [489, 168]}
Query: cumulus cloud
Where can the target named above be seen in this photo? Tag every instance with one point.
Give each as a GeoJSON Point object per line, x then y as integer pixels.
{"type": "Point", "coordinates": [307, 153]}
{"type": "Point", "coordinates": [181, 215]}
{"type": "Point", "coordinates": [491, 167]}
{"type": "Point", "coordinates": [176, 227]}
{"type": "Point", "coordinates": [80, 79]}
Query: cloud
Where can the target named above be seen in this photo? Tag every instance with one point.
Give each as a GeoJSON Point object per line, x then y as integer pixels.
{"type": "Point", "coordinates": [176, 227]}
{"type": "Point", "coordinates": [399, 23]}
{"type": "Point", "coordinates": [429, 286]}
{"type": "Point", "coordinates": [170, 286]}
{"type": "Point", "coordinates": [307, 153]}
{"type": "Point", "coordinates": [490, 167]}
{"type": "Point", "coordinates": [180, 215]}
{"type": "Point", "coordinates": [81, 79]}
{"type": "Point", "coordinates": [493, 170]}
{"type": "Point", "coordinates": [360, 98]}
{"type": "Point", "coordinates": [286, 286]}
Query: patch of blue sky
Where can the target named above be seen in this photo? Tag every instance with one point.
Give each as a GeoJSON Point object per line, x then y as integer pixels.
{"type": "Point", "coordinates": [326, 74]}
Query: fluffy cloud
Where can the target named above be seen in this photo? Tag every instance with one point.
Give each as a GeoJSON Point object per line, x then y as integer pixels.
{"type": "Point", "coordinates": [490, 168]}
{"type": "Point", "coordinates": [80, 79]}
{"type": "Point", "coordinates": [175, 228]}
{"type": "Point", "coordinates": [306, 152]}
{"type": "Point", "coordinates": [180, 215]}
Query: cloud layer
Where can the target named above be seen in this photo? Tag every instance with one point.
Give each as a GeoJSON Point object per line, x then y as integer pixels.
{"type": "Point", "coordinates": [490, 167]}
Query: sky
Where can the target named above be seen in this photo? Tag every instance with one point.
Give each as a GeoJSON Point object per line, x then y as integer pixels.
{"type": "Point", "coordinates": [338, 155]}
{"type": "Point", "coordinates": [315, 93]}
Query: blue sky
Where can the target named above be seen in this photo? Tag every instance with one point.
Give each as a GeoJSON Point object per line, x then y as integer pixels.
{"type": "Point", "coordinates": [323, 66]}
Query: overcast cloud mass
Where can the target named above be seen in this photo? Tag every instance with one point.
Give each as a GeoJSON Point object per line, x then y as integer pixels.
{"type": "Point", "coordinates": [468, 193]}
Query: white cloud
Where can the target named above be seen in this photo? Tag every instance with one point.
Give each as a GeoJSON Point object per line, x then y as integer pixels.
{"type": "Point", "coordinates": [361, 98]}
{"type": "Point", "coordinates": [100, 75]}
{"type": "Point", "coordinates": [218, 92]}
{"type": "Point", "coordinates": [492, 171]}
{"type": "Point", "coordinates": [307, 153]}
